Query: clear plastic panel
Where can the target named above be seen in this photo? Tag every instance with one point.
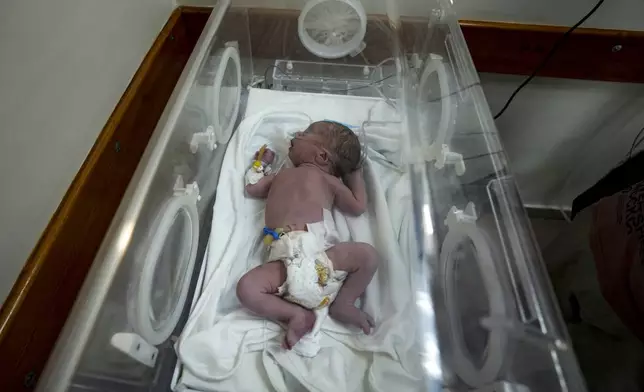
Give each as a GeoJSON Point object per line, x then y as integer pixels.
{"type": "Point", "coordinates": [468, 279]}
{"type": "Point", "coordinates": [487, 317]}
{"type": "Point", "coordinates": [508, 329]}
{"type": "Point", "coordinates": [228, 94]}
{"type": "Point", "coordinates": [479, 313]}
{"type": "Point", "coordinates": [171, 268]}
{"type": "Point", "coordinates": [102, 348]}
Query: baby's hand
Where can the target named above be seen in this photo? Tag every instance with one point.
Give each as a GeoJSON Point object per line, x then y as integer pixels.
{"type": "Point", "coordinates": [268, 157]}
{"type": "Point", "coordinates": [353, 177]}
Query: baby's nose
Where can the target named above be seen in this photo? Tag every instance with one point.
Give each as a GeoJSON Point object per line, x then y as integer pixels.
{"type": "Point", "coordinates": [299, 134]}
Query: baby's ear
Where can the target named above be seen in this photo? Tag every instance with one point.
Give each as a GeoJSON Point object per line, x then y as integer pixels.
{"type": "Point", "coordinates": [323, 156]}
{"type": "Point", "coordinates": [323, 159]}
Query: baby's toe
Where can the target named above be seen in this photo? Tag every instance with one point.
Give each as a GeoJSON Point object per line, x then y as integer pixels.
{"type": "Point", "coordinates": [367, 323]}
{"type": "Point", "coordinates": [370, 320]}
{"type": "Point", "coordinates": [290, 340]}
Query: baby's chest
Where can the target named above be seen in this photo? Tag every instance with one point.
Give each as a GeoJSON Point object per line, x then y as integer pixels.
{"type": "Point", "coordinates": [312, 186]}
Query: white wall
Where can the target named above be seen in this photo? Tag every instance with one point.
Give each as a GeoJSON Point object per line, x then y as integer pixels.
{"type": "Point", "coordinates": [561, 135]}
{"type": "Point", "coordinates": [613, 14]}
{"type": "Point", "coordinates": [64, 65]}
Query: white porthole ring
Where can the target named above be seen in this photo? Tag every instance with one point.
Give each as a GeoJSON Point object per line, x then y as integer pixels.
{"type": "Point", "coordinates": [435, 64]}
{"type": "Point", "coordinates": [462, 227]}
{"type": "Point", "coordinates": [223, 131]}
{"type": "Point", "coordinates": [323, 50]}
{"type": "Point", "coordinates": [181, 204]}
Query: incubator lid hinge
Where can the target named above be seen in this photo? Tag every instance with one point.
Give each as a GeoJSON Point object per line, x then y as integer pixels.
{"type": "Point", "coordinates": [207, 137]}
{"type": "Point", "coordinates": [181, 189]}
{"type": "Point", "coordinates": [135, 347]}
{"type": "Point", "coordinates": [442, 155]}
{"type": "Point", "coordinates": [456, 217]}
{"type": "Point", "coordinates": [232, 44]}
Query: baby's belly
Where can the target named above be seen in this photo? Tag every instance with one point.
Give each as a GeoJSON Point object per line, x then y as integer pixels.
{"type": "Point", "coordinates": [282, 213]}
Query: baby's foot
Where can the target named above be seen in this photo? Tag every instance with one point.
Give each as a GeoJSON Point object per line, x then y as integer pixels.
{"type": "Point", "coordinates": [349, 314]}
{"type": "Point", "coordinates": [301, 323]}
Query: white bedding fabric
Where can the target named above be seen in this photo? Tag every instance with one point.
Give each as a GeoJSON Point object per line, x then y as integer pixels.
{"type": "Point", "coordinates": [225, 348]}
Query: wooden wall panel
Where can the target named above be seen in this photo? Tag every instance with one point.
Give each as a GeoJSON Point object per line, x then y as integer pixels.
{"type": "Point", "coordinates": [610, 55]}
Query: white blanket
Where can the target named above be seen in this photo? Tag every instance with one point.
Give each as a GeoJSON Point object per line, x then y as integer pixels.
{"type": "Point", "coordinates": [225, 348]}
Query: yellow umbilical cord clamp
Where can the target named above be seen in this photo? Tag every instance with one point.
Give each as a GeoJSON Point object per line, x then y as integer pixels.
{"type": "Point", "coordinates": [258, 162]}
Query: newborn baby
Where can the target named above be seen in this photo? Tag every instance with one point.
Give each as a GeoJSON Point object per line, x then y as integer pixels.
{"type": "Point", "coordinates": [305, 270]}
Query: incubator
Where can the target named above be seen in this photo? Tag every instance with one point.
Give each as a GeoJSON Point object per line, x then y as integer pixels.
{"type": "Point", "coordinates": [461, 298]}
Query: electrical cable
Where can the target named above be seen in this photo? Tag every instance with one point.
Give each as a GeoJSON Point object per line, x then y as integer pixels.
{"type": "Point", "coordinates": [482, 155]}
{"type": "Point", "coordinates": [636, 142]}
{"type": "Point", "coordinates": [276, 67]}
{"type": "Point", "coordinates": [365, 86]}
{"type": "Point", "coordinates": [545, 60]}
{"type": "Point", "coordinates": [454, 92]}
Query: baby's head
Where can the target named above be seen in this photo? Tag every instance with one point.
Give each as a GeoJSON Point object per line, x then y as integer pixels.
{"type": "Point", "coordinates": [328, 145]}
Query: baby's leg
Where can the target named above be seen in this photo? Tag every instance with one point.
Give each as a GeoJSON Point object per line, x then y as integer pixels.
{"type": "Point", "coordinates": [360, 261]}
{"type": "Point", "coordinates": [256, 291]}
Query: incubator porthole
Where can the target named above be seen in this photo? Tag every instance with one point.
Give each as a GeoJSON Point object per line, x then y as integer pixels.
{"type": "Point", "coordinates": [217, 92]}
{"type": "Point", "coordinates": [430, 108]}
{"type": "Point", "coordinates": [436, 100]}
{"type": "Point", "coordinates": [167, 264]}
{"type": "Point", "coordinates": [471, 308]}
{"type": "Point", "coordinates": [468, 269]}
{"type": "Point", "coordinates": [227, 93]}
{"type": "Point", "coordinates": [171, 265]}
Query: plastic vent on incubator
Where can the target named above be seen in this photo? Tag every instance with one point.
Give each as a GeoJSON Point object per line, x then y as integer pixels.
{"type": "Point", "coordinates": [333, 28]}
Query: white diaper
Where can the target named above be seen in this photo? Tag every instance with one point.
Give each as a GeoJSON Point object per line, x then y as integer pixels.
{"type": "Point", "coordinates": [311, 280]}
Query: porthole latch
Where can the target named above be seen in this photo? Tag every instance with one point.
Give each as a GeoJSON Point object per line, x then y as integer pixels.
{"type": "Point", "coordinates": [181, 189]}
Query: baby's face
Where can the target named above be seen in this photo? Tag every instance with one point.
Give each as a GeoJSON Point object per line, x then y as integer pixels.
{"type": "Point", "coordinates": [308, 143]}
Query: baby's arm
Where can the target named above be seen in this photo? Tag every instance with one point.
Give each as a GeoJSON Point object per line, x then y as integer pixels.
{"type": "Point", "coordinates": [260, 189]}
{"type": "Point", "coordinates": [352, 197]}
